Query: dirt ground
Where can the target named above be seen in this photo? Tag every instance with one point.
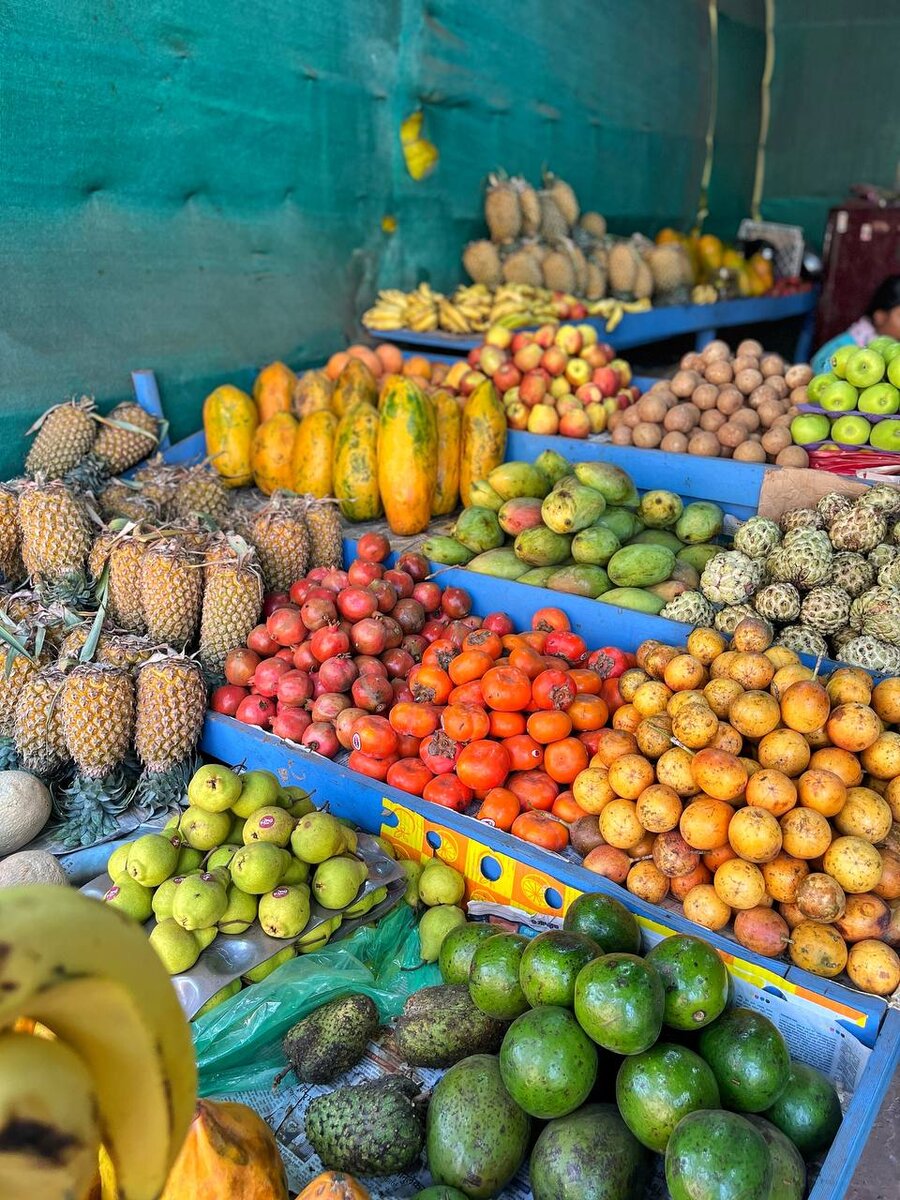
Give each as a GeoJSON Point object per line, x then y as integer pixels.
{"type": "Point", "coordinates": [879, 1168]}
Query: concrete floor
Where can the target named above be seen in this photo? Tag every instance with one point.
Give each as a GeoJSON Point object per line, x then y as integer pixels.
{"type": "Point", "coordinates": [878, 1172]}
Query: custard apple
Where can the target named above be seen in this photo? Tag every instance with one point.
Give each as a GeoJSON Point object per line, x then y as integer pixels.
{"type": "Point", "coordinates": [801, 518]}
{"type": "Point", "coordinates": [883, 554]}
{"type": "Point", "coordinates": [803, 640]}
{"type": "Point", "coordinates": [731, 577]}
{"type": "Point", "coordinates": [803, 558]}
{"type": "Point", "coordinates": [859, 529]}
{"type": "Point", "coordinates": [883, 496]}
{"type": "Point", "coordinates": [778, 602]}
{"type": "Point", "coordinates": [833, 505]}
{"type": "Point", "coordinates": [889, 575]}
{"type": "Point", "coordinates": [690, 607]}
{"type": "Point", "coordinates": [852, 572]}
{"type": "Point", "coordinates": [872, 654]}
{"type": "Point", "coordinates": [728, 618]}
{"type": "Point", "coordinates": [757, 537]}
{"type": "Point", "coordinates": [840, 639]}
{"type": "Point", "coordinates": [877, 613]}
{"type": "Point", "coordinates": [825, 609]}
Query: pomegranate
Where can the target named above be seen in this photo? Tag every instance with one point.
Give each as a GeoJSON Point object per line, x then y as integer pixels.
{"type": "Point", "coordinates": [373, 693]}
{"type": "Point", "coordinates": [275, 600]}
{"type": "Point", "coordinates": [267, 675]}
{"type": "Point", "coordinates": [260, 641]}
{"type": "Point", "coordinates": [385, 594]}
{"type": "Point", "coordinates": [409, 615]}
{"type": "Point", "coordinates": [320, 736]}
{"type": "Point", "coordinates": [294, 689]}
{"type": "Point", "coordinates": [355, 603]}
{"type": "Point", "coordinates": [335, 580]}
{"type": "Point", "coordinates": [240, 665]}
{"type": "Point", "coordinates": [317, 574]}
{"type": "Point", "coordinates": [328, 641]}
{"type": "Point", "coordinates": [300, 590]}
{"type": "Point", "coordinates": [317, 612]}
{"type": "Point", "coordinates": [402, 691]}
{"type": "Point", "coordinates": [317, 592]}
{"type": "Point", "coordinates": [227, 699]}
{"type": "Point", "coordinates": [373, 547]}
{"type": "Point", "coordinates": [402, 582]}
{"type": "Point", "coordinates": [256, 710]}
{"type": "Point", "coordinates": [285, 626]}
{"type": "Point", "coordinates": [367, 665]}
{"type": "Point", "coordinates": [393, 634]}
{"type": "Point", "coordinates": [329, 705]}
{"type": "Point", "coordinates": [413, 564]}
{"type": "Point", "coordinates": [434, 629]}
{"type": "Point", "coordinates": [499, 623]}
{"type": "Point", "coordinates": [286, 652]}
{"type": "Point", "coordinates": [303, 658]}
{"type": "Point", "coordinates": [398, 661]}
{"type": "Point", "coordinates": [361, 574]}
{"type": "Point", "coordinates": [428, 595]}
{"type": "Point", "coordinates": [291, 723]}
{"type": "Point", "coordinates": [415, 646]}
{"type": "Point", "coordinates": [456, 602]}
{"type": "Point", "coordinates": [337, 674]}
{"type": "Point", "coordinates": [369, 636]}
{"type": "Point", "coordinates": [343, 725]}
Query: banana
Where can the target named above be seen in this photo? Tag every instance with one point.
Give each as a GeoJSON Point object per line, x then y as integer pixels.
{"type": "Point", "coordinates": [49, 1132]}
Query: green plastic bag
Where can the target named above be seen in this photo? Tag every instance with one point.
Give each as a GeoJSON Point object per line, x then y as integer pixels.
{"type": "Point", "coordinates": [238, 1043]}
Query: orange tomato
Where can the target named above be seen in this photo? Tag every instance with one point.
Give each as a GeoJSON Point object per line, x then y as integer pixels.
{"type": "Point", "coordinates": [483, 765]}
{"type": "Point", "coordinates": [468, 693]}
{"type": "Point", "coordinates": [465, 722]}
{"type": "Point", "coordinates": [567, 808]}
{"type": "Point", "coordinates": [471, 664]}
{"type": "Point", "coordinates": [565, 760]}
{"type": "Point", "coordinates": [541, 829]}
{"type": "Point", "coordinates": [506, 689]}
{"type": "Point", "coordinates": [506, 724]}
{"type": "Point", "coordinates": [549, 725]}
{"type": "Point", "coordinates": [500, 808]}
{"type": "Point", "coordinates": [587, 712]}
{"type": "Point", "coordinates": [485, 640]}
{"type": "Point", "coordinates": [440, 653]}
{"type": "Point", "coordinates": [448, 791]}
{"type": "Point", "coordinates": [549, 619]}
{"type": "Point", "coordinates": [523, 658]}
{"type": "Point", "coordinates": [409, 775]}
{"type": "Point", "coordinates": [524, 752]}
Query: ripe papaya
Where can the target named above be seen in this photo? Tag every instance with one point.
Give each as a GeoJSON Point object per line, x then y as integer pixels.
{"type": "Point", "coordinates": [407, 455]}
{"type": "Point", "coordinates": [230, 420]}
{"type": "Point", "coordinates": [273, 390]}
{"type": "Point", "coordinates": [449, 429]}
{"type": "Point", "coordinates": [483, 438]}
{"type": "Point", "coordinates": [313, 453]}
{"type": "Point", "coordinates": [312, 393]}
{"type": "Point", "coordinates": [354, 384]}
{"type": "Point", "coordinates": [355, 464]}
{"type": "Point", "coordinates": [273, 447]}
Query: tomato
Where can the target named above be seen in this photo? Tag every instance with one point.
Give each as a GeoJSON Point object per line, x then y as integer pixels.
{"type": "Point", "coordinates": [375, 768]}
{"type": "Point", "coordinates": [485, 640]}
{"type": "Point", "coordinates": [567, 808]}
{"type": "Point", "coordinates": [609, 690]}
{"type": "Point", "coordinates": [609, 662]}
{"type": "Point", "coordinates": [500, 808]}
{"type": "Point", "coordinates": [506, 689]}
{"type": "Point", "coordinates": [506, 724]}
{"type": "Point", "coordinates": [467, 693]}
{"type": "Point", "coordinates": [440, 653]}
{"type": "Point", "coordinates": [553, 689]}
{"type": "Point", "coordinates": [524, 752]}
{"type": "Point", "coordinates": [564, 644]}
{"type": "Point", "coordinates": [535, 789]}
{"type": "Point", "coordinates": [546, 620]}
{"type": "Point", "coordinates": [430, 684]}
{"type": "Point", "coordinates": [409, 775]}
{"type": "Point", "coordinates": [465, 722]}
{"type": "Point", "coordinates": [439, 753]}
{"type": "Point", "coordinates": [588, 712]}
{"type": "Point", "coordinates": [536, 639]}
{"type": "Point", "coordinates": [471, 664]}
{"type": "Point", "coordinates": [417, 720]}
{"type": "Point", "coordinates": [565, 760]}
{"type": "Point", "coordinates": [549, 725]}
{"type": "Point", "coordinates": [483, 765]}
{"type": "Point", "coordinates": [448, 791]}
{"type": "Point", "coordinates": [524, 659]}
{"type": "Point", "coordinates": [586, 680]}
{"type": "Point", "coordinates": [541, 829]}
{"type": "Point", "coordinates": [374, 736]}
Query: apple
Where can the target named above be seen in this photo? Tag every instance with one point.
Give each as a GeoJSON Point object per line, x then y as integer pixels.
{"type": "Point", "coordinates": [507, 376]}
{"type": "Point", "coordinates": [560, 386]}
{"type": "Point", "coordinates": [533, 387]}
{"type": "Point", "coordinates": [817, 386]}
{"type": "Point", "coordinates": [881, 398]}
{"type": "Point", "coordinates": [607, 350]}
{"type": "Point", "coordinates": [839, 396]}
{"type": "Point", "coordinates": [607, 380]}
{"type": "Point", "coordinates": [588, 335]}
{"type": "Point", "coordinates": [838, 362]}
{"type": "Point", "coordinates": [595, 356]}
{"type": "Point", "coordinates": [635, 392]}
{"type": "Point", "coordinates": [598, 416]}
{"type": "Point", "coordinates": [852, 431]}
{"type": "Point", "coordinates": [523, 338]}
{"type": "Point", "coordinates": [589, 393]}
{"type": "Point", "coordinates": [474, 356]}
{"type": "Point", "coordinates": [517, 416]}
{"type": "Point", "coordinates": [568, 403]}
{"type": "Point", "coordinates": [893, 371]}
{"type": "Point", "coordinates": [880, 344]}
{"type": "Point", "coordinates": [886, 436]}
{"type": "Point", "coordinates": [554, 360]}
{"type": "Point", "coordinates": [577, 311]}
{"type": "Point", "coordinates": [626, 398]}
{"type": "Point", "coordinates": [623, 369]}
{"type": "Point", "coordinates": [528, 357]}
{"type": "Point", "coordinates": [543, 419]}
{"type": "Point", "coordinates": [864, 368]}
{"type": "Point", "coordinates": [811, 427]}
{"type": "Point", "coordinates": [492, 358]}
{"type": "Point", "coordinates": [511, 395]}
{"type": "Point", "coordinates": [610, 404]}
{"type": "Point", "coordinates": [560, 305]}
{"type": "Point", "coordinates": [500, 336]}
{"type": "Point", "coordinates": [455, 374]}
{"type": "Point", "coordinates": [470, 381]}
{"type": "Point", "coordinates": [575, 424]}
{"type": "Point", "coordinates": [569, 339]}
{"type": "Point", "coordinates": [890, 353]}
{"type": "Point", "coordinates": [577, 372]}
{"type": "Point", "coordinates": [544, 336]}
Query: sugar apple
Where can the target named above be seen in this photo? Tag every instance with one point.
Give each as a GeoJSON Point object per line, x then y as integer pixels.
{"type": "Point", "coordinates": [801, 518]}
{"type": "Point", "coordinates": [877, 613]}
{"type": "Point", "coordinates": [860, 529]}
{"type": "Point", "coordinates": [852, 572]}
{"type": "Point", "coordinates": [889, 575]}
{"type": "Point", "coordinates": [757, 537]}
{"type": "Point", "coordinates": [840, 639]}
{"type": "Point", "coordinates": [883, 496]}
{"type": "Point", "coordinates": [728, 618]}
{"type": "Point", "coordinates": [833, 505]}
{"type": "Point", "coordinates": [803, 640]}
{"type": "Point", "coordinates": [690, 607]}
{"type": "Point", "coordinates": [731, 577]}
{"type": "Point", "coordinates": [778, 602]}
{"type": "Point", "coordinates": [882, 554]}
{"type": "Point", "coordinates": [872, 654]}
{"type": "Point", "coordinates": [825, 609]}
{"type": "Point", "coordinates": [803, 558]}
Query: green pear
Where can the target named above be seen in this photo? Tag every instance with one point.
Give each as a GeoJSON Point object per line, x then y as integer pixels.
{"type": "Point", "coordinates": [317, 836]}
{"type": "Point", "coordinates": [258, 868]}
{"type": "Point", "coordinates": [413, 871]}
{"type": "Point", "coordinates": [222, 856]}
{"type": "Point", "coordinates": [239, 914]}
{"type": "Point", "coordinates": [171, 826]}
{"type": "Point", "coordinates": [222, 874]}
{"type": "Point", "coordinates": [189, 860]}
{"type": "Point", "coordinates": [204, 830]}
{"type": "Point", "coordinates": [236, 832]}
{"type": "Point", "coordinates": [164, 897]}
{"type": "Point", "coordinates": [177, 948]}
{"type": "Point", "coordinates": [440, 883]}
{"type": "Point", "coordinates": [151, 859]}
{"type": "Point", "coordinates": [337, 880]}
{"type": "Point", "coordinates": [205, 937]}
{"type": "Point", "coordinates": [295, 872]}
{"type": "Point", "coordinates": [270, 824]}
{"type": "Point", "coordinates": [117, 863]}
{"type": "Point", "coordinates": [199, 901]}
{"type": "Point", "coordinates": [299, 801]}
{"type": "Point", "coordinates": [318, 937]}
{"type": "Point", "coordinates": [284, 912]}
{"type": "Point", "coordinates": [351, 841]}
{"type": "Point", "coordinates": [223, 994]}
{"type": "Point", "coordinates": [131, 898]}
{"type": "Point", "coordinates": [436, 923]}
{"type": "Point", "coordinates": [214, 788]}
{"type": "Point", "coordinates": [365, 904]}
{"type": "Point", "coordinates": [259, 789]}
{"type": "Point", "coordinates": [265, 969]}
{"type": "Point", "coordinates": [386, 847]}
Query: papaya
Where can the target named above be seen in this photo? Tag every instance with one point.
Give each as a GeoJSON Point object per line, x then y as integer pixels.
{"type": "Point", "coordinates": [334, 1185]}
{"type": "Point", "coordinates": [273, 390]}
{"type": "Point", "coordinates": [483, 444]}
{"type": "Point", "coordinates": [580, 580]}
{"type": "Point", "coordinates": [230, 420]}
{"type": "Point", "coordinates": [407, 455]}
{"type": "Point", "coordinates": [355, 469]}
{"type": "Point", "coordinates": [483, 495]}
{"type": "Point", "coordinates": [313, 453]}
{"type": "Point", "coordinates": [312, 393]}
{"type": "Point", "coordinates": [514, 479]}
{"type": "Point", "coordinates": [449, 434]}
{"type": "Point", "coordinates": [229, 1151]}
{"type": "Point", "coordinates": [519, 514]}
{"type": "Point", "coordinates": [356, 384]}
{"type": "Point", "coordinates": [634, 598]}
{"type": "Point", "coordinates": [639, 566]}
{"type": "Point", "coordinates": [272, 456]}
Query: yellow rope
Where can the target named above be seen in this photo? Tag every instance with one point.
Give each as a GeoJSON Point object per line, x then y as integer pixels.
{"type": "Point", "coordinates": [765, 109]}
{"type": "Point", "coordinates": [702, 207]}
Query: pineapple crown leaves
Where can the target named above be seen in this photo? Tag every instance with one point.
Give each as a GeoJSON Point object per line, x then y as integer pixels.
{"type": "Point", "coordinates": [84, 403]}
{"type": "Point", "coordinates": [15, 646]}
{"type": "Point", "coordinates": [89, 649]}
{"type": "Point", "coordinates": [121, 423]}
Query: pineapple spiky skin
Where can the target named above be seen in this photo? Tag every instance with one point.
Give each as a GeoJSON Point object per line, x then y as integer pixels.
{"type": "Point", "coordinates": [122, 448]}
{"type": "Point", "coordinates": [56, 533]}
{"type": "Point", "coordinates": [159, 483]}
{"type": "Point", "coordinates": [125, 650]}
{"type": "Point", "coordinates": [124, 604]}
{"type": "Point", "coordinates": [201, 493]}
{"type": "Point", "coordinates": [280, 537]}
{"type": "Point", "coordinates": [89, 475]}
{"type": "Point", "coordinates": [12, 569]}
{"type": "Point", "coordinates": [171, 592]}
{"type": "Point", "coordinates": [87, 809]}
{"type": "Point", "coordinates": [13, 677]}
{"type": "Point", "coordinates": [64, 435]}
{"type": "Point", "coordinates": [171, 706]}
{"type": "Point", "coordinates": [40, 741]}
{"type": "Point", "coordinates": [99, 554]}
{"type": "Point", "coordinates": [98, 717]}
{"type": "Point", "coordinates": [119, 501]}
{"type": "Point", "coordinates": [232, 601]}
{"type": "Point", "coordinates": [326, 537]}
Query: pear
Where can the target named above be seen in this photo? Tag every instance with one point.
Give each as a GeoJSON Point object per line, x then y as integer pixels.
{"type": "Point", "coordinates": [259, 789]}
{"type": "Point", "coordinates": [441, 884]}
{"type": "Point", "coordinates": [295, 872]}
{"type": "Point", "coordinates": [204, 830]}
{"type": "Point", "coordinates": [236, 832]}
{"type": "Point", "coordinates": [222, 856]}
{"type": "Point", "coordinates": [258, 868]}
{"type": "Point", "coordinates": [337, 881]}
{"type": "Point", "coordinates": [299, 801]}
{"type": "Point", "coordinates": [116, 865]}
{"type": "Point", "coordinates": [265, 969]}
{"type": "Point", "coordinates": [214, 788]}
{"type": "Point", "coordinates": [366, 903]}
{"type": "Point", "coordinates": [222, 874]}
{"type": "Point", "coordinates": [178, 950]}
{"type": "Point", "coordinates": [131, 898]}
{"type": "Point", "coordinates": [199, 901]}
{"type": "Point", "coordinates": [351, 841]}
{"type": "Point", "coordinates": [223, 994]}
{"type": "Point", "coordinates": [386, 848]}
{"type": "Point", "coordinates": [205, 937]}
{"type": "Point", "coordinates": [434, 927]}
{"type": "Point", "coordinates": [151, 859]}
{"type": "Point", "coordinates": [239, 914]}
{"type": "Point", "coordinates": [413, 871]}
{"type": "Point", "coordinates": [270, 824]}
{"type": "Point", "coordinates": [189, 860]}
{"type": "Point", "coordinates": [317, 836]}
{"type": "Point", "coordinates": [164, 897]}
{"type": "Point", "coordinates": [284, 912]}
{"type": "Point", "coordinates": [318, 937]}
{"type": "Point", "coordinates": [171, 826]}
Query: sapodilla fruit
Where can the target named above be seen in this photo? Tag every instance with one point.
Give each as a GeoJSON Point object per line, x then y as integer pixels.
{"type": "Point", "coordinates": [721, 775]}
{"type": "Point", "coordinates": [805, 706]}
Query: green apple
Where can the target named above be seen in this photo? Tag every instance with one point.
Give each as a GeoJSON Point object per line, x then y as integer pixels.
{"type": "Point", "coordinates": [864, 368]}
{"type": "Point", "coordinates": [818, 384]}
{"type": "Point", "coordinates": [851, 431]}
{"type": "Point", "coordinates": [890, 352]}
{"type": "Point", "coordinates": [838, 361]}
{"type": "Point", "coordinates": [883, 399]}
{"type": "Point", "coordinates": [893, 371]}
{"type": "Point", "coordinates": [878, 344]}
{"type": "Point", "coordinates": [886, 436]}
{"type": "Point", "coordinates": [811, 427]}
{"type": "Point", "coordinates": [839, 396]}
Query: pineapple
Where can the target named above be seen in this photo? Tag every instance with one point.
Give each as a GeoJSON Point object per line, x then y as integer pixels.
{"type": "Point", "coordinates": [11, 568]}
{"type": "Point", "coordinates": [119, 499]}
{"type": "Point", "coordinates": [88, 808]}
{"type": "Point", "coordinates": [171, 706]}
{"type": "Point", "coordinates": [232, 600]}
{"type": "Point", "coordinates": [98, 717]}
{"type": "Point", "coordinates": [127, 434]}
{"type": "Point", "coordinates": [201, 493]}
{"type": "Point", "coordinates": [279, 534]}
{"type": "Point", "coordinates": [56, 540]}
{"type": "Point", "coordinates": [65, 434]}
{"type": "Point", "coordinates": [123, 596]}
{"type": "Point", "coordinates": [124, 650]}
{"type": "Point", "coordinates": [99, 554]}
{"type": "Point", "coordinates": [40, 742]}
{"type": "Point", "coordinates": [326, 537]}
{"type": "Point", "coordinates": [17, 665]}
{"type": "Point", "coordinates": [171, 592]}
{"type": "Point", "coordinates": [158, 482]}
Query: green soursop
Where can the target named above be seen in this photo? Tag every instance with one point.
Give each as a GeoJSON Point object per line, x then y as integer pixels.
{"type": "Point", "coordinates": [778, 602]}
{"type": "Point", "coordinates": [877, 613]}
{"type": "Point", "coordinates": [883, 496]}
{"type": "Point", "coordinates": [800, 518]}
{"type": "Point", "coordinates": [690, 607]}
{"type": "Point", "coordinates": [825, 609]}
{"type": "Point", "coordinates": [731, 577]}
{"type": "Point", "coordinates": [331, 1039]}
{"type": "Point", "coordinates": [370, 1129]}
{"type": "Point", "coordinates": [757, 538]}
{"type": "Point", "coordinates": [872, 654]}
{"type": "Point", "coordinates": [833, 505]}
{"type": "Point", "coordinates": [727, 619]}
{"type": "Point", "coordinates": [860, 529]}
{"type": "Point", "coordinates": [852, 572]}
{"type": "Point", "coordinates": [803, 640]}
{"type": "Point", "coordinates": [803, 559]}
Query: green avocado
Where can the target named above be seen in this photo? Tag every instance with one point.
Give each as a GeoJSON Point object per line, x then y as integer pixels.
{"type": "Point", "coordinates": [550, 966]}
{"type": "Point", "coordinates": [589, 1155]}
{"type": "Point", "coordinates": [619, 1002]}
{"type": "Point", "coordinates": [547, 1062]}
{"type": "Point", "coordinates": [494, 976]}
{"type": "Point", "coordinates": [808, 1110]}
{"type": "Point", "coordinates": [749, 1059]}
{"type": "Point", "coordinates": [717, 1155]}
{"type": "Point", "coordinates": [695, 980]}
{"type": "Point", "coordinates": [788, 1167]}
{"type": "Point", "coordinates": [654, 1090]}
{"type": "Point", "coordinates": [605, 920]}
{"type": "Point", "coordinates": [457, 949]}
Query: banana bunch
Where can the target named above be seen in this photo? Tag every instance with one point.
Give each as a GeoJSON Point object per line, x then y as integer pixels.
{"type": "Point", "coordinates": [468, 311]}
{"type": "Point", "coordinates": [704, 293]}
{"type": "Point", "coordinates": [388, 312]}
{"type": "Point", "coordinates": [119, 1072]}
{"type": "Point", "coordinates": [518, 304]}
{"type": "Point", "coordinates": [613, 311]}
{"type": "Point", "coordinates": [422, 309]}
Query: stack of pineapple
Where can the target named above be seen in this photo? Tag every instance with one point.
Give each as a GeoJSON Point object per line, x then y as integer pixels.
{"type": "Point", "coordinates": [119, 599]}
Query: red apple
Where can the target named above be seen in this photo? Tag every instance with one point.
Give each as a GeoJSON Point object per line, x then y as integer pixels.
{"type": "Point", "coordinates": [560, 305]}
{"type": "Point", "coordinates": [492, 359]}
{"type": "Point", "coordinates": [577, 372]}
{"type": "Point", "coordinates": [517, 415]}
{"type": "Point", "coordinates": [624, 399]}
{"type": "Point", "coordinates": [635, 392]}
{"type": "Point", "coordinates": [595, 356]}
{"type": "Point", "coordinates": [520, 339]}
{"type": "Point", "coordinates": [607, 350]}
{"type": "Point", "coordinates": [474, 356]}
{"type": "Point", "coordinates": [527, 358]}
{"type": "Point", "coordinates": [544, 336]}
{"type": "Point", "coordinates": [560, 386]}
{"type": "Point", "coordinates": [575, 424]}
{"type": "Point", "coordinates": [507, 376]}
{"type": "Point", "coordinates": [554, 361]}
{"type": "Point", "coordinates": [577, 311]}
{"type": "Point", "coordinates": [623, 369]}
{"type": "Point", "coordinates": [568, 403]}
{"type": "Point", "coordinates": [606, 380]}
{"type": "Point", "coordinates": [569, 339]}
{"type": "Point", "coordinates": [588, 334]}
{"type": "Point", "coordinates": [470, 381]}
{"type": "Point", "coordinates": [597, 415]}
{"type": "Point", "coordinates": [543, 419]}
{"type": "Point", "coordinates": [589, 393]}
{"type": "Point", "coordinates": [533, 387]}
{"type": "Point", "coordinates": [499, 335]}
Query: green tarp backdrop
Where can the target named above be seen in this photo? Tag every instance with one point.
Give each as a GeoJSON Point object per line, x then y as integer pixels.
{"type": "Point", "coordinates": [199, 187]}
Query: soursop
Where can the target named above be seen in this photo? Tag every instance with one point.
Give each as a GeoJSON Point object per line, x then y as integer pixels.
{"type": "Point", "coordinates": [872, 654]}
{"type": "Point", "coordinates": [331, 1039]}
{"type": "Point", "coordinates": [731, 577]}
{"type": "Point", "coordinates": [825, 609]}
{"type": "Point", "coordinates": [727, 619]}
{"type": "Point", "coordinates": [803, 640]}
{"type": "Point", "coordinates": [801, 518]}
{"type": "Point", "coordinates": [803, 559]}
{"type": "Point", "coordinates": [690, 607]}
{"type": "Point", "coordinates": [883, 496]}
{"type": "Point", "coordinates": [778, 602]}
{"type": "Point", "coordinates": [369, 1129]}
{"type": "Point", "coordinates": [882, 554]}
{"type": "Point", "coordinates": [877, 613]}
{"type": "Point", "coordinates": [840, 639]}
{"type": "Point", "coordinates": [757, 538]}
{"type": "Point", "coordinates": [833, 505]}
{"type": "Point", "coordinates": [860, 529]}
{"type": "Point", "coordinates": [889, 575]}
{"type": "Point", "coordinates": [441, 1025]}
{"type": "Point", "coordinates": [852, 572]}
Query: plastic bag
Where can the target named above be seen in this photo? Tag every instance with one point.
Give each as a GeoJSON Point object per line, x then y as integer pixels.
{"type": "Point", "coordinates": [238, 1043]}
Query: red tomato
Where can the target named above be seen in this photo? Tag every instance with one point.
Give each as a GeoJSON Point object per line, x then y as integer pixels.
{"type": "Point", "coordinates": [375, 768]}
{"type": "Point", "coordinates": [524, 752]}
{"type": "Point", "coordinates": [374, 736]}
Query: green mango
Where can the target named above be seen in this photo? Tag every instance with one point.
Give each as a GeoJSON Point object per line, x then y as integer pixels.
{"type": "Point", "coordinates": [639, 566]}
{"type": "Point", "coordinates": [635, 598]}
{"type": "Point", "coordinates": [537, 576]}
{"type": "Point", "coordinates": [482, 495]}
{"type": "Point", "coordinates": [552, 465]}
{"type": "Point", "coordinates": [478, 529]}
{"type": "Point", "coordinates": [568, 509]}
{"type": "Point", "coordinates": [614, 484]}
{"type": "Point", "coordinates": [541, 547]}
{"type": "Point", "coordinates": [624, 524]}
{"type": "Point", "coordinates": [580, 580]}
{"type": "Point", "coordinates": [446, 550]}
{"type": "Point", "coordinates": [698, 556]}
{"type": "Point", "coordinates": [657, 537]}
{"type": "Point", "coordinates": [660, 508]}
{"type": "Point", "coordinates": [514, 479]}
{"type": "Point", "coordinates": [595, 545]}
{"type": "Point", "coordinates": [502, 563]}
{"type": "Point", "coordinates": [701, 521]}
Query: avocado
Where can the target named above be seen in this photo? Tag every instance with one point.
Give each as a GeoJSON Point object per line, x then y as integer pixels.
{"type": "Point", "coordinates": [457, 949]}
{"type": "Point", "coordinates": [654, 1090]}
{"type": "Point", "coordinates": [440, 1025]}
{"type": "Point", "coordinates": [476, 1136]}
{"type": "Point", "coordinates": [619, 1002]}
{"type": "Point", "coordinates": [808, 1110]}
{"type": "Point", "coordinates": [550, 965]}
{"type": "Point", "coordinates": [788, 1167]}
{"type": "Point", "coordinates": [749, 1059]}
{"type": "Point", "coordinates": [439, 1192]}
{"type": "Point", "coordinates": [589, 1155]}
{"type": "Point", "coordinates": [717, 1155]}
{"type": "Point", "coordinates": [494, 976]}
{"type": "Point", "coordinates": [331, 1039]}
{"type": "Point", "coordinates": [369, 1129]}
{"type": "Point", "coordinates": [605, 920]}
{"type": "Point", "coordinates": [695, 980]}
{"type": "Point", "coordinates": [547, 1062]}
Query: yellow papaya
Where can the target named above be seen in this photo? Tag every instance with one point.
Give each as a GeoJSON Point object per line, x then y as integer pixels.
{"type": "Point", "coordinates": [273, 448]}
{"type": "Point", "coordinates": [448, 416]}
{"type": "Point", "coordinates": [407, 455]}
{"type": "Point", "coordinates": [229, 1151]}
{"type": "Point", "coordinates": [312, 393]}
{"type": "Point", "coordinates": [230, 420]}
{"type": "Point", "coordinates": [312, 455]}
{"type": "Point", "coordinates": [355, 463]}
{"type": "Point", "coordinates": [355, 383]}
{"type": "Point", "coordinates": [334, 1185]}
{"type": "Point", "coordinates": [483, 438]}
{"type": "Point", "coordinates": [273, 390]}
